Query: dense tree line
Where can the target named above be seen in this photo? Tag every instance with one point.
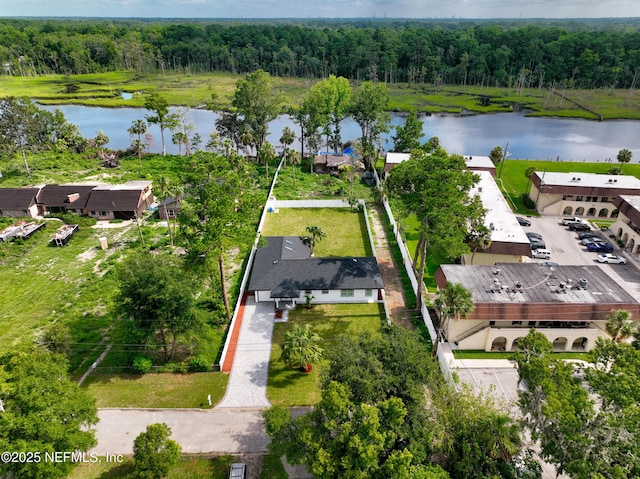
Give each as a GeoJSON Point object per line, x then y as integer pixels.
{"type": "Point", "coordinates": [587, 55]}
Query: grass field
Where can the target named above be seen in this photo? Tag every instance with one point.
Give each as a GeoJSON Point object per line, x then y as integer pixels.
{"type": "Point", "coordinates": [346, 230]}
{"type": "Point", "coordinates": [103, 89]}
{"type": "Point", "coordinates": [157, 390]}
{"type": "Point", "coordinates": [288, 386]}
{"type": "Point", "coordinates": [189, 467]}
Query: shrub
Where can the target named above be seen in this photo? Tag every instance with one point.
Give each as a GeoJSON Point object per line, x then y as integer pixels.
{"type": "Point", "coordinates": [527, 202]}
{"type": "Point", "coordinates": [142, 364]}
{"type": "Point", "coordinates": [199, 364]}
{"type": "Point", "coordinates": [75, 219]}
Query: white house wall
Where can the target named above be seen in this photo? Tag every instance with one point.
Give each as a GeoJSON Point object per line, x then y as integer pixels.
{"type": "Point", "coordinates": [331, 296]}
{"type": "Point", "coordinates": [489, 258]}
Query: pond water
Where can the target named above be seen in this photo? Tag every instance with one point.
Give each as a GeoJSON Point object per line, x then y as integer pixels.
{"type": "Point", "coordinates": [528, 138]}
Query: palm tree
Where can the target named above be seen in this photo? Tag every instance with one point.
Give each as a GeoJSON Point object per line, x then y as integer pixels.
{"type": "Point", "coordinates": [529, 173]}
{"type": "Point", "coordinates": [480, 239]}
{"type": "Point", "coordinates": [620, 324]}
{"type": "Point", "coordinates": [100, 140]}
{"type": "Point", "coordinates": [138, 127]}
{"type": "Point", "coordinates": [453, 301]}
{"type": "Point", "coordinates": [315, 236]}
{"type": "Point", "coordinates": [624, 156]}
{"type": "Point", "coordinates": [163, 184]}
{"type": "Point", "coordinates": [301, 347]}
{"type": "Point", "coordinates": [287, 138]}
{"type": "Point", "coordinates": [179, 138]}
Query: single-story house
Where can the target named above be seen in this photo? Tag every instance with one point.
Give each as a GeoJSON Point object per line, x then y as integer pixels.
{"type": "Point", "coordinates": [284, 272]}
{"type": "Point", "coordinates": [580, 194]}
{"type": "Point", "coordinates": [19, 202]}
{"type": "Point", "coordinates": [62, 198]}
{"type": "Point", "coordinates": [126, 201]}
{"type": "Point", "coordinates": [509, 243]}
{"type": "Point", "coordinates": [568, 304]}
{"type": "Point", "coordinates": [169, 208]}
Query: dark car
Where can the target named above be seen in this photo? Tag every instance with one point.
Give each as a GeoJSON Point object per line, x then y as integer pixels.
{"type": "Point", "coordinates": [586, 235]}
{"type": "Point", "coordinates": [523, 221]}
{"type": "Point", "coordinates": [600, 247]}
{"type": "Point", "coordinates": [531, 235]}
{"type": "Point", "coordinates": [579, 227]}
{"type": "Point", "coordinates": [537, 244]}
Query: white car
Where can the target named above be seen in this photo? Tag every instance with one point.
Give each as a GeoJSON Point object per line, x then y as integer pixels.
{"type": "Point", "coordinates": [611, 258]}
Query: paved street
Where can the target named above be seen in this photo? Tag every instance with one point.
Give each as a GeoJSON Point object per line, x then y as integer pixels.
{"type": "Point", "coordinates": [218, 430]}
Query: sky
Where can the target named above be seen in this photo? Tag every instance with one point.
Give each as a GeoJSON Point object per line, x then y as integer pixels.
{"type": "Point", "coordinates": [323, 8]}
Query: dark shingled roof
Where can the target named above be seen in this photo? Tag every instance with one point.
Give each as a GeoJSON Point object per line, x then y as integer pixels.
{"type": "Point", "coordinates": [115, 200]}
{"type": "Point", "coordinates": [17, 199]}
{"type": "Point", "coordinates": [58, 195]}
{"type": "Point", "coordinates": [285, 268]}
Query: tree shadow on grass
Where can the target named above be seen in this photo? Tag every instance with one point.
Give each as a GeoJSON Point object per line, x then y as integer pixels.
{"type": "Point", "coordinates": [122, 470]}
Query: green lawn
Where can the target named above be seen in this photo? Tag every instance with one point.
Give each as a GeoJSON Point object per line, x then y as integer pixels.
{"type": "Point", "coordinates": [473, 354]}
{"type": "Point", "coordinates": [43, 283]}
{"type": "Point", "coordinates": [189, 467]}
{"type": "Point", "coordinates": [346, 230]}
{"type": "Point", "coordinates": [290, 387]}
{"type": "Point", "coordinates": [317, 186]}
{"type": "Point", "coordinates": [157, 390]}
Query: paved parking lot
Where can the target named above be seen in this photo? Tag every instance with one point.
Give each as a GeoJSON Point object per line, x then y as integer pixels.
{"type": "Point", "coordinates": [566, 250]}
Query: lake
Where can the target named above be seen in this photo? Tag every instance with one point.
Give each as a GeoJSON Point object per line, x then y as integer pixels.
{"type": "Point", "coordinates": [528, 138]}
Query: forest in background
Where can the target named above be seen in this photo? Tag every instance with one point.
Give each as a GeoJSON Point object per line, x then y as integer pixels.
{"type": "Point", "coordinates": [602, 53]}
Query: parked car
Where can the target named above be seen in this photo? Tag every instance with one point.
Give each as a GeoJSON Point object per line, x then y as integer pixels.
{"type": "Point", "coordinates": [238, 471]}
{"type": "Point", "coordinates": [568, 221]}
{"type": "Point", "coordinates": [587, 234]}
{"type": "Point", "coordinates": [579, 227]}
{"type": "Point", "coordinates": [548, 263]}
{"type": "Point", "coordinates": [523, 221]}
{"type": "Point", "coordinates": [541, 253]}
{"type": "Point", "coordinates": [600, 247]}
{"type": "Point", "coordinates": [586, 241]}
{"type": "Point", "coordinates": [611, 259]}
{"type": "Point", "coordinates": [531, 235]}
{"type": "Point", "coordinates": [537, 244]}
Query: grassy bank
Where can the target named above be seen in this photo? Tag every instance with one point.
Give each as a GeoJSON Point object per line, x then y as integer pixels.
{"type": "Point", "coordinates": [104, 89]}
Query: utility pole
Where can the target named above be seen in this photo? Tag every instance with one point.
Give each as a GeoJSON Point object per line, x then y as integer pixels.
{"type": "Point", "coordinates": [504, 157]}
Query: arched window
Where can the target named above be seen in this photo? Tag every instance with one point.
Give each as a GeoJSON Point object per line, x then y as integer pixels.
{"type": "Point", "coordinates": [568, 211]}
{"type": "Point", "coordinates": [603, 213]}
{"type": "Point", "coordinates": [579, 211]}
{"type": "Point", "coordinates": [591, 212]}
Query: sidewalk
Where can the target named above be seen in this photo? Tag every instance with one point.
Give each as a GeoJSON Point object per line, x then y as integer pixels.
{"type": "Point", "coordinates": [248, 379]}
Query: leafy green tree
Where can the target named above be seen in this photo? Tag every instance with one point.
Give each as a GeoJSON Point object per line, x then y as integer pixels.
{"type": "Point", "coordinates": [436, 188]}
{"type": "Point", "coordinates": [309, 117]}
{"type": "Point", "coordinates": [368, 109]}
{"type": "Point", "coordinates": [158, 296]}
{"type": "Point", "coordinates": [100, 140]}
{"type": "Point", "coordinates": [219, 209]}
{"type": "Point", "coordinates": [179, 138]}
{"type": "Point", "coordinates": [301, 347]}
{"type": "Point", "coordinates": [620, 324]}
{"type": "Point", "coordinates": [44, 411]}
{"type": "Point", "coordinates": [56, 338]}
{"type": "Point", "coordinates": [582, 440]}
{"type": "Point", "coordinates": [496, 154]}
{"type": "Point", "coordinates": [314, 237]}
{"type": "Point", "coordinates": [479, 238]}
{"type": "Point", "coordinates": [25, 128]}
{"type": "Point", "coordinates": [334, 95]}
{"type": "Point", "coordinates": [138, 128]}
{"type": "Point", "coordinates": [624, 156]}
{"type": "Point", "coordinates": [266, 154]}
{"type": "Point", "coordinates": [256, 105]}
{"type": "Point", "coordinates": [161, 117]}
{"type": "Point", "coordinates": [454, 301]}
{"type": "Point", "coordinates": [154, 453]}
{"type": "Point", "coordinates": [408, 136]}
{"type": "Point", "coordinates": [341, 438]}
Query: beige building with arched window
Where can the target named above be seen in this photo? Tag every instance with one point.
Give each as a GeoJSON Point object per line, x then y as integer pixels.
{"type": "Point", "coordinates": [568, 304]}
{"type": "Point", "coordinates": [590, 195]}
